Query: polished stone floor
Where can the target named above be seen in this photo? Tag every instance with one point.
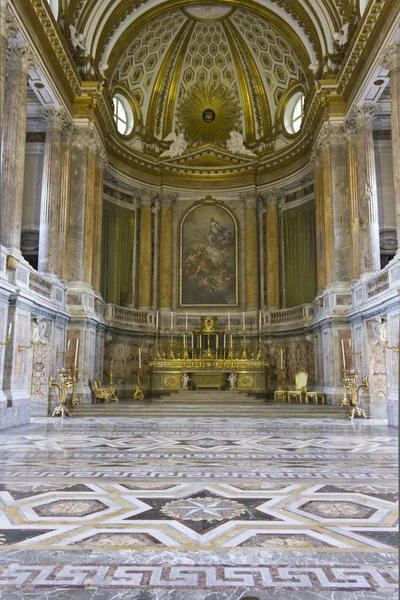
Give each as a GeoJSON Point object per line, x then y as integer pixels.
{"type": "Point", "coordinates": [199, 509]}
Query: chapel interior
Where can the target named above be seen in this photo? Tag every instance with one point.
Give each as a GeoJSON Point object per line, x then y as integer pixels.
{"type": "Point", "coordinates": [199, 219]}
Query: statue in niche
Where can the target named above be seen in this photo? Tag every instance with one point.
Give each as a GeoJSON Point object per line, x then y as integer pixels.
{"type": "Point", "coordinates": [232, 378]}
{"type": "Point", "coordinates": [178, 146]}
{"type": "Point", "coordinates": [236, 144]}
{"type": "Point", "coordinates": [185, 381]}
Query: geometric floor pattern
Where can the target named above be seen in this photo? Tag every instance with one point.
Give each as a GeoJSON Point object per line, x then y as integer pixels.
{"type": "Point", "coordinates": [192, 508]}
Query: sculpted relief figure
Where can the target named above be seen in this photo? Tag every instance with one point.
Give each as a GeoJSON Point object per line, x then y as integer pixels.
{"type": "Point", "coordinates": [77, 39]}
{"type": "Point", "coordinates": [40, 331]}
{"type": "Point", "coordinates": [236, 144]}
{"type": "Point", "coordinates": [178, 146]}
{"type": "Point", "coordinates": [232, 380]}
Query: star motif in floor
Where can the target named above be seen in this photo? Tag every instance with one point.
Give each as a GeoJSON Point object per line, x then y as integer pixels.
{"type": "Point", "coordinates": [203, 509]}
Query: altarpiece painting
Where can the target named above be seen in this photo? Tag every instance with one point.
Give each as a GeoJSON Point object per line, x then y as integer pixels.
{"type": "Point", "coordinates": [209, 256]}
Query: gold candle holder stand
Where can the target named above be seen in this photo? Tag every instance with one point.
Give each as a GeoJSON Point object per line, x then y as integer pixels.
{"type": "Point", "coordinates": [74, 379]}
{"type": "Point", "coordinates": [61, 410]}
{"type": "Point", "coordinates": [8, 340]}
{"type": "Point", "coordinates": [350, 385]}
{"type": "Point", "coordinates": [138, 395]}
{"type": "Point", "coordinates": [20, 348]}
{"type": "Point", "coordinates": [259, 353]}
{"type": "Point", "coordinates": [157, 353]}
{"type": "Point", "coordinates": [171, 347]}
{"type": "Point", "coordinates": [244, 353]}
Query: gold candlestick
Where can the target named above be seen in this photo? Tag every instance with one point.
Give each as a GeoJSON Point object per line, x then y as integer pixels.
{"type": "Point", "coordinates": [74, 398]}
{"type": "Point", "coordinates": [171, 347]}
{"type": "Point", "coordinates": [61, 409]}
{"type": "Point", "coordinates": [259, 354]}
{"type": "Point", "coordinates": [244, 353]}
{"type": "Point", "coordinates": [208, 346]}
{"type": "Point", "coordinates": [157, 354]}
{"type": "Point", "coordinates": [138, 395]}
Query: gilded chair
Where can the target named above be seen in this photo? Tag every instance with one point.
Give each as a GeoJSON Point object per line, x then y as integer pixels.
{"type": "Point", "coordinates": [101, 393]}
{"type": "Point", "coordinates": [301, 387]}
{"type": "Point", "coordinates": [280, 395]}
{"type": "Point", "coordinates": [315, 395]}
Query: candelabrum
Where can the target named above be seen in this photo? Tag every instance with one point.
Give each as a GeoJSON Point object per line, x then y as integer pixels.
{"type": "Point", "coordinates": [209, 355]}
{"type": "Point", "coordinates": [346, 399]}
{"type": "Point", "coordinates": [185, 350]}
{"type": "Point", "coordinates": [244, 353]}
{"type": "Point", "coordinates": [157, 353]}
{"type": "Point", "coordinates": [66, 382]}
{"type": "Point", "coordinates": [171, 347]}
{"type": "Point", "coordinates": [20, 348]}
{"type": "Point", "coordinates": [8, 340]}
{"type": "Point", "coordinates": [74, 379]}
{"type": "Point", "coordinates": [281, 377]}
{"type": "Point", "coordinates": [138, 395]}
{"type": "Point", "coordinates": [111, 387]}
{"type": "Point", "coordinates": [259, 354]}
{"type": "Point", "coordinates": [350, 385]}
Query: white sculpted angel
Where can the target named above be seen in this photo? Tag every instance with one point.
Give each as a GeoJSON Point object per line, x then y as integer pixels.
{"type": "Point", "coordinates": [314, 67]}
{"type": "Point", "coordinates": [77, 39]}
{"type": "Point", "coordinates": [236, 144]}
{"type": "Point", "coordinates": [103, 66]}
{"type": "Point", "coordinates": [178, 146]}
{"type": "Point", "coordinates": [341, 38]}
{"type": "Point", "coordinates": [232, 380]}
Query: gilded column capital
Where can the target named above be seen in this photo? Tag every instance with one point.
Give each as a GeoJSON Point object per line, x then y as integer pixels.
{"type": "Point", "coordinates": [20, 57]}
{"type": "Point", "coordinates": [167, 198]}
{"type": "Point", "coordinates": [273, 196]}
{"type": "Point", "coordinates": [361, 114]}
{"type": "Point", "coordinates": [390, 57]}
{"type": "Point", "coordinates": [8, 22]}
{"type": "Point", "coordinates": [55, 117]}
{"type": "Point", "coordinates": [145, 197]}
{"type": "Point", "coordinates": [249, 199]}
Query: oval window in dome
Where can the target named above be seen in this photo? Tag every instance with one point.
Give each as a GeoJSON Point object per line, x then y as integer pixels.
{"type": "Point", "coordinates": [294, 113]}
{"type": "Point", "coordinates": [123, 115]}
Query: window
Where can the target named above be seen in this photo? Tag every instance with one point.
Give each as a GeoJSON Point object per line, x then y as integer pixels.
{"type": "Point", "coordinates": [123, 115]}
{"type": "Point", "coordinates": [294, 113]}
{"type": "Point", "coordinates": [54, 5]}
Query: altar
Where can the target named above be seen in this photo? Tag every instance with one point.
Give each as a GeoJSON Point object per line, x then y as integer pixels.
{"type": "Point", "coordinates": [208, 362]}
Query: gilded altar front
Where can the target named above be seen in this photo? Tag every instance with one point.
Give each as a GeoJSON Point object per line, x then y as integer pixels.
{"type": "Point", "coordinates": [210, 373]}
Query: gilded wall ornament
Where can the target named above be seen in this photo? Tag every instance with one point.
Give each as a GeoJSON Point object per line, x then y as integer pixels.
{"type": "Point", "coordinates": [208, 113]}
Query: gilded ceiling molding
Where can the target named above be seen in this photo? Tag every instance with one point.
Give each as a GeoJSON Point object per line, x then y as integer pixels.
{"type": "Point", "coordinates": [255, 81]}
{"type": "Point", "coordinates": [173, 87]}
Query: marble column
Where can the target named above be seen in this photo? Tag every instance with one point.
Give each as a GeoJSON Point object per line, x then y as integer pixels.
{"type": "Point", "coordinates": [165, 287]}
{"type": "Point", "coordinates": [65, 195]}
{"type": "Point", "coordinates": [145, 251]}
{"type": "Point", "coordinates": [361, 121]}
{"type": "Point", "coordinates": [251, 255]}
{"type": "Point", "coordinates": [8, 28]}
{"type": "Point", "coordinates": [80, 221]}
{"type": "Point", "coordinates": [316, 161]}
{"type": "Point", "coordinates": [49, 234]}
{"type": "Point", "coordinates": [271, 199]}
{"type": "Point", "coordinates": [89, 214]}
{"type": "Point", "coordinates": [19, 60]}
{"type": "Point", "coordinates": [391, 61]}
{"type": "Point", "coordinates": [353, 201]}
{"type": "Point", "coordinates": [101, 162]}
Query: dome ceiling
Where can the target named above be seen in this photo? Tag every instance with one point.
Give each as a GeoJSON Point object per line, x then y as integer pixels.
{"type": "Point", "coordinates": [220, 51]}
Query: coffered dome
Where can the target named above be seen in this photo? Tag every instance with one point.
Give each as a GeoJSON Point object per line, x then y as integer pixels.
{"type": "Point", "coordinates": [232, 58]}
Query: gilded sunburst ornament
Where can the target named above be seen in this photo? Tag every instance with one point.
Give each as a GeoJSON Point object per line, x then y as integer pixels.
{"type": "Point", "coordinates": [207, 114]}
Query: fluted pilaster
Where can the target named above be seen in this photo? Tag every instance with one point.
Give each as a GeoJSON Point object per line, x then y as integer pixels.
{"type": "Point", "coordinates": [66, 144]}
{"type": "Point", "coordinates": [361, 121]}
{"type": "Point", "coordinates": [50, 209]}
{"type": "Point", "coordinates": [272, 199]}
{"type": "Point", "coordinates": [145, 251]}
{"type": "Point", "coordinates": [165, 287]}
{"type": "Point", "coordinates": [391, 60]}
{"type": "Point", "coordinates": [252, 299]}
{"type": "Point", "coordinates": [19, 59]}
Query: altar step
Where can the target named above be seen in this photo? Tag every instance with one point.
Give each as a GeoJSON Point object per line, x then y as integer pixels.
{"type": "Point", "coordinates": [254, 410]}
{"type": "Point", "coordinates": [208, 397]}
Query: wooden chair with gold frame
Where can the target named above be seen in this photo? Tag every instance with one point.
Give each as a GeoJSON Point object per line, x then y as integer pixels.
{"type": "Point", "coordinates": [101, 393]}
{"type": "Point", "coordinates": [301, 387]}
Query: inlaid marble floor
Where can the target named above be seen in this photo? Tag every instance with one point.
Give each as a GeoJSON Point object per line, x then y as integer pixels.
{"type": "Point", "coordinates": [198, 509]}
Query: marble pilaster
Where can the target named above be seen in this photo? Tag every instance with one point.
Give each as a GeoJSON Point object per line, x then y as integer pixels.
{"type": "Point", "coordinates": [80, 219]}
{"type": "Point", "coordinates": [49, 235]}
{"type": "Point", "coordinates": [251, 252]}
{"type": "Point", "coordinates": [316, 160]}
{"type": "Point", "coordinates": [8, 28]}
{"type": "Point", "coordinates": [156, 253]}
{"type": "Point", "coordinates": [19, 59]}
{"type": "Point", "coordinates": [353, 201]}
{"type": "Point", "coordinates": [361, 120]}
{"type": "Point", "coordinates": [272, 198]}
{"type": "Point", "coordinates": [101, 161]}
{"type": "Point", "coordinates": [165, 286]}
{"type": "Point", "coordinates": [65, 196]}
{"type": "Point", "coordinates": [145, 251]}
{"type": "Point", "coordinates": [391, 60]}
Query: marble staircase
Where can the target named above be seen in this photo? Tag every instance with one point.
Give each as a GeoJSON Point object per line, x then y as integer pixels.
{"type": "Point", "coordinates": [250, 408]}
